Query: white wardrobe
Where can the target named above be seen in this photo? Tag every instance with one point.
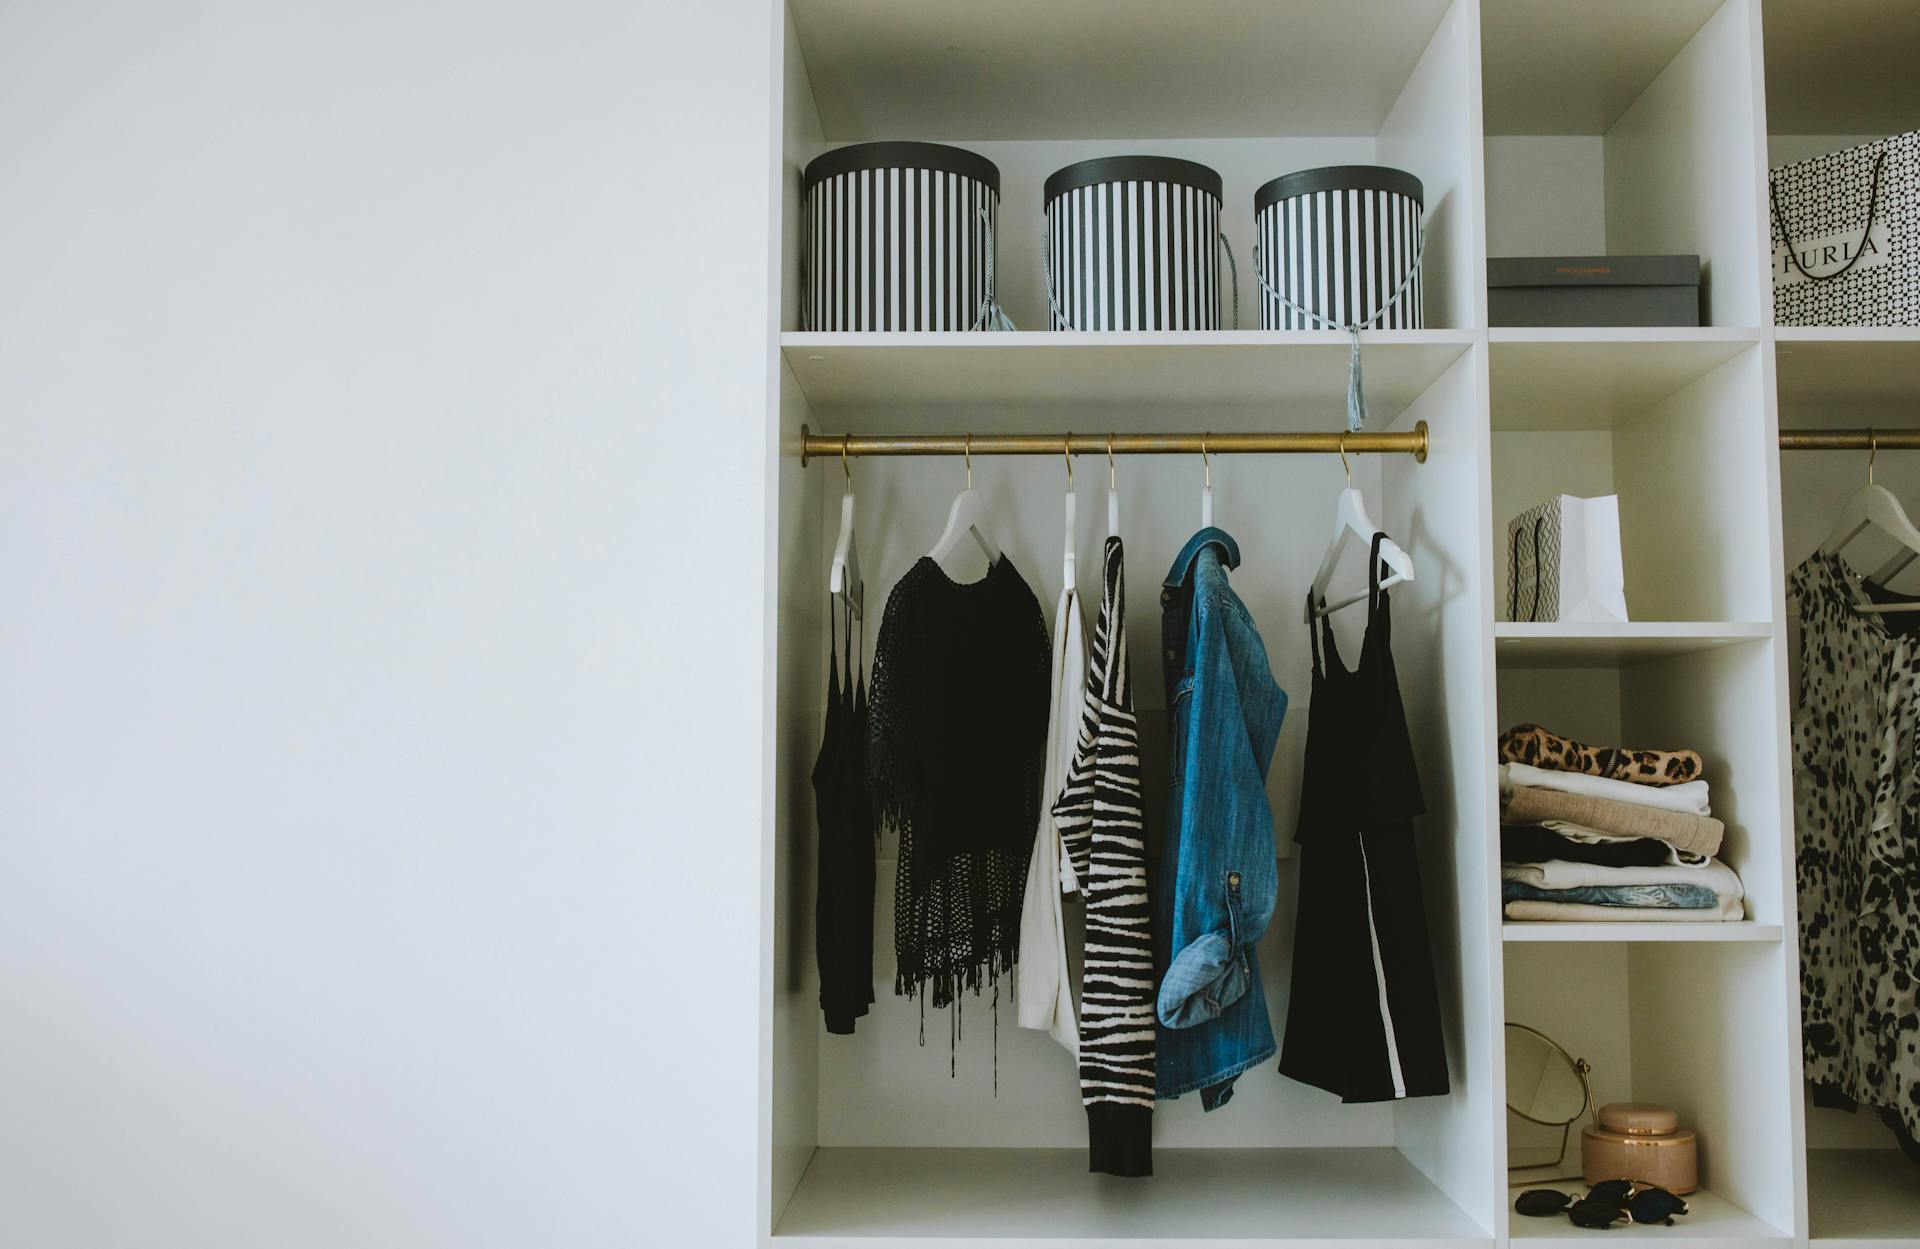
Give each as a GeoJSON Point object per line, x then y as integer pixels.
{"type": "Point", "coordinates": [1536, 127]}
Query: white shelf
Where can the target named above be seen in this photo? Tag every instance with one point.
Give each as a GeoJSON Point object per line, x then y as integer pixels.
{"type": "Point", "coordinates": [1546, 379]}
{"type": "Point", "coordinates": [1543, 930]}
{"type": "Point", "coordinates": [1603, 645]}
{"type": "Point", "coordinates": [1712, 1222]}
{"type": "Point", "coordinates": [1088, 69]}
{"type": "Point", "coordinates": [1118, 381]}
{"type": "Point", "coordinates": [1863, 1199]}
{"type": "Point", "coordinates": [1538, 80]}
{"type": "Point", "coordinates": [1295, 1197]}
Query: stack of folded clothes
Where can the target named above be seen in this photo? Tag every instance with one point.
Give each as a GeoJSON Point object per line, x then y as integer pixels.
{"type": "Point", "coordinates": [1601, 833]}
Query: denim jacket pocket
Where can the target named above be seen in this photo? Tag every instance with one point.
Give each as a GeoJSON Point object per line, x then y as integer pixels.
{"type": "Point", "coordinates": [1211, 973]}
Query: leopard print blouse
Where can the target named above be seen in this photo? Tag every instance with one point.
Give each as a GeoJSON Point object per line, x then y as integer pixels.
{"type": "Point", "coordinates": [1542, 748]}
{"type": "Point", "coordinates": [1856, 782]}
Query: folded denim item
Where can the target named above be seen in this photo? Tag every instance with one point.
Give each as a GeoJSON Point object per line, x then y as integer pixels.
{"type": "Point", "coordinates": [1689, 799]}
{"type": "Point", "coordinates": [1666, 897]}
{"type": "Point", "coordinates": [1700, 834]}
{"type": "Point", "coordinates": [1713, 876]}
{"type": "Point", "coordinates": [1581, 913]}
{"type": "Point", "coordinates": [1543, 748]}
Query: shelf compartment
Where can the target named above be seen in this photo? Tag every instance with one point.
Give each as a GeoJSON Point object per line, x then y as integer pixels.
{"type": "Point", "coordinates": [1712, 1222]}
{"type": "Point", "coordinates": [1560, 379]}
{"type": "Point", "coordinates": [1692, 1025]}
{"type": "Point", "coordinates": [1640, 137]}
{"type": "Point", "coordinates": [1544, 931]}
{"type": "Point", "coordinates": [1689, 471]}
{"type": "Point", "coordinates": [1605, 645]}
{"type": "Point", "coordinates": [1292, 1197]}
{"type": "Point", "coordinates": [1863, 1199]}
{"type": "Point", "coordinates": [1121, 381]}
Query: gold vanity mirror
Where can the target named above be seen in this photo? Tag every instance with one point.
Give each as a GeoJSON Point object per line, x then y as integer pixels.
{"type": "Point", "coordinates": [1545, 1085]}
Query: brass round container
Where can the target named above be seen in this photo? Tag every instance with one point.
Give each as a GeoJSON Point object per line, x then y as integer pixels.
{"type": "Point", "coordinates": [1650, 1151]}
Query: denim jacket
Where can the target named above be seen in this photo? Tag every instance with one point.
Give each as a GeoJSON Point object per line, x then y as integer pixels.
{"type": "Point", "coordinates": [1218, 876]}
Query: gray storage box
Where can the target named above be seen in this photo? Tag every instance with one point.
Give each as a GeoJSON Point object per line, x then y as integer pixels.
{"type": "Point", "coordinates": [1593, 290]}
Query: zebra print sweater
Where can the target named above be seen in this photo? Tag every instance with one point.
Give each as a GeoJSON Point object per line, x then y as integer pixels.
{"type": "Point", "coordinates": [1098, 815]}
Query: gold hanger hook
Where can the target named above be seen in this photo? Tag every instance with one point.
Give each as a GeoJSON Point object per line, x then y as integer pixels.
{"type": "Point", "coordinates": [845, 467]}
{"type": "Point", "coordinates": [967, 450]}
{"type": "Point", "coordinates": [1066, 449]}
{"type": "Point", "coordinates": [1206, 462]}
{"type": "Point", "coordinates": [1345, 467]}
{"type": "Point", "coordinates": [1873, 451]}
{"type": "Point", "coordinates": [1113, 481]}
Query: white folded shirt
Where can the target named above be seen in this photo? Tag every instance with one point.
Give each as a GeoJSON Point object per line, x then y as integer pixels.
{"type": "Point", "coordinates": [1688, 799]}
{"type": "Point", "coordinates": [1561, 874]}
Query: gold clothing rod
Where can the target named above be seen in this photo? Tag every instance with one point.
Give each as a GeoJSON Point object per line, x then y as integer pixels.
{"type": "Point", "coordinates": [1850, 439]}
{"type": "Point", "coordinates": [832, 446]}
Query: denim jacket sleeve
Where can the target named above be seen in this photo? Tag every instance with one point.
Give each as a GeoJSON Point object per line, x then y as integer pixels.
{"type": "Point", "coordinates": [1227, 874]}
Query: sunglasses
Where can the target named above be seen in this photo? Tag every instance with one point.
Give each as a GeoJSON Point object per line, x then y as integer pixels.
{"type": "Point", "coordinates": [1606, 1203]}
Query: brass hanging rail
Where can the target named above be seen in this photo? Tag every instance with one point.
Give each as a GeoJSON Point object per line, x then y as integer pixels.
{"type": "Point", "coordinates": [1850, 440]}
{"type": "Point", "coordinates": [1413, 442]}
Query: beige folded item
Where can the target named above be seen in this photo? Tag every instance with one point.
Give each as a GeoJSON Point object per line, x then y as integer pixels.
{"type": "Point", "coordinates": [1583, 913]}
{"type": "Point", "coordinates": [1698, 834]}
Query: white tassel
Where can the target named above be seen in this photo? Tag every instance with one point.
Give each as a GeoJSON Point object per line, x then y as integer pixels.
{"type": "Point", "coordinates": [1356, 391]}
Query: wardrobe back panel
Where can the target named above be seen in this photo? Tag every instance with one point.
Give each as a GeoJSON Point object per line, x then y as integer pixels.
{"type": "Point", "coordinates": [1444, 661]}
{"type": "Point", "coordinates": [879, 1087]}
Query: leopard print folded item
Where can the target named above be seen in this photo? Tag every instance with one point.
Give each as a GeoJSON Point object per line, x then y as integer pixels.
{"type": "Point", "coordinates": [1542, 748]}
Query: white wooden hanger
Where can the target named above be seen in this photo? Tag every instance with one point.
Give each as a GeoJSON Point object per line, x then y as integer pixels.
{"type": "Point", "coordinates": [1206, 492]}
{"type": "Point", "coordinates": [1350, 522]}
{"type": "Point", "coordinates": [963, 520]}
{"type": "Point", "coordinates": [1068, 563]}
{"type": "Point", "coordinates": [1875, 507]}
{"type": "Point", "coordinates": [1113, 494]}
{"type": "Point", "coordinates": [843, 579]}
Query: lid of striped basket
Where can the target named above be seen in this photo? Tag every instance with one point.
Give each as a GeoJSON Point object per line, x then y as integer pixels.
{"type": "Point", "coordinates": [1340, 178]}
{"type": "Point", "coordinates": [1104, 169]}
{"type": "Point", "coordinates": [858, 157]}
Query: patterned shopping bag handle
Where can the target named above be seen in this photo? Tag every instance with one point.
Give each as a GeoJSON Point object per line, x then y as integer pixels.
{"type": "Point", "coordinates": [1513, 574]}
{"type": "Point", "coordinates": [1793, 250]}
{"type": "Point", "coordinates": [1046, 274]}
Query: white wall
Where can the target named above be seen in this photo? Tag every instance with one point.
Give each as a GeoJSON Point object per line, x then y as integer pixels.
{"type": "Point", "coordinates": [382, 526]}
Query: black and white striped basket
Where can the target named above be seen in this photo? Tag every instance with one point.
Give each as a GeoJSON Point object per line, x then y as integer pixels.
{"type": "Point", "coordinates": [899, 236]}
{"type": "Point", "coordinates": [1339, 248]}
{"type": "Point", "coordinates": [1130, 244]}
